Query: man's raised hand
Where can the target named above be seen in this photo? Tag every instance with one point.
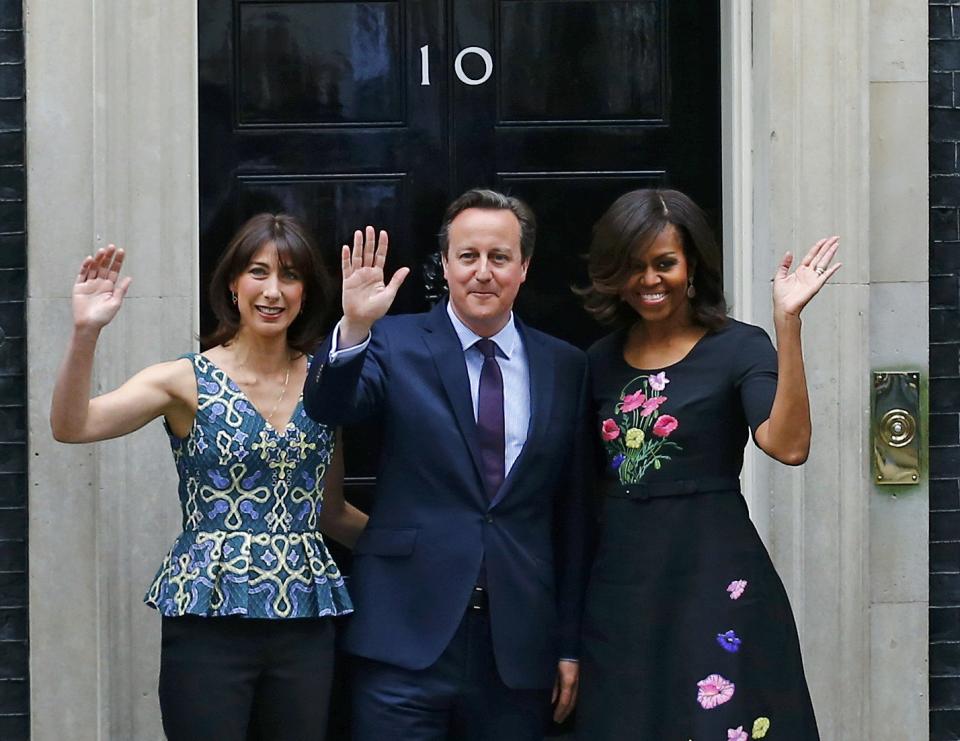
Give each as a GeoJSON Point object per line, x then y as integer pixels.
{"type": "Point", "coordinates": [366, 297]}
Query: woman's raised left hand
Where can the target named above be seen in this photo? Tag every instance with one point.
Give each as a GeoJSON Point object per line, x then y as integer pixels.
{"type": "Point", "coordinates": [792, 291]}
{"type": "Point", "coordinates": [99, 290]}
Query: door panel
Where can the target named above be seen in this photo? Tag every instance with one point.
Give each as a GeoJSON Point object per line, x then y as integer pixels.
{"type": "Point", "coordinates": [556, 59]}
{"type": "Point", "coordinates": [293, 72]}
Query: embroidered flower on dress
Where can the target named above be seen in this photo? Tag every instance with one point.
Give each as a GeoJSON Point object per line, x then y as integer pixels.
{"type": "Point", "coordinates": [609, 430]}
{"type": "Point", "coordinates": [714, 691]}
{"type": "Point", "coordinates": [617, 461]}
{"type": "Point", "coordinates": [737, 734]}
{"type": "Point", "coordinates": [633, 401]}
{"type": "Point", "coordinates": [635, 437]}
{"type": "Point", "coordinates": [658, 381]}
{"type": "Point", "coordinates": [760, 727]}
{"type": "Point", "coordinates": [651, 405]}
{"type": "Point", "coordinates": [736, 588]}
{"type": "Point", "coordinates": [729, 641]}
{"type": "Point", "coordinates": [664, 425]}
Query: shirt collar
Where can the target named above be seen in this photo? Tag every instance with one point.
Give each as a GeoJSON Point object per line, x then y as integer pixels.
{"type": "Point", "coordinates": [507, 338]}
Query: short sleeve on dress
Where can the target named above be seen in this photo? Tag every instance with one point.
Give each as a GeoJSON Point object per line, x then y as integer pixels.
{"type": "Point", "coordinates": [755, 374]}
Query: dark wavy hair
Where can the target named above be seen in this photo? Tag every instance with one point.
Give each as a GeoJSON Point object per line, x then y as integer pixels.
{"type": "Point", "coordinates": [631, 224]}
{"type": "Point", "coordinates": [295, 249]}
{"type": "Point", "coordinates": [491, 199]}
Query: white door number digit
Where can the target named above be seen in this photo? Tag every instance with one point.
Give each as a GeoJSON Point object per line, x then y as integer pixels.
{"type": "Point", "coordinates": [425, 65]}
{"type": "Point", "coordinates": [487, 62]}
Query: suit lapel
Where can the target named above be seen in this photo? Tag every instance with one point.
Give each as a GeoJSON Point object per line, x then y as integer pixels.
{"type": "Point", "coordinates": [540, 366]}
{"type": "Point", "coordinates": [447, 352]}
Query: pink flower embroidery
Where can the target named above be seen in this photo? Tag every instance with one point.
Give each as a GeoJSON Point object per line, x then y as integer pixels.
{"type": "Point", "coordinates": [714, 691]}
{"type": "Point", "coordinates": [737, 734]}
{"type": "Point", "coordinates": [664, 425]}
{"type": "Point", "coordinates": [633, 401]}
{"type": "Point", "coordinates": [736, 588]}
{"type": "Point", "coordinates": [609, 430]}
{"type": "Point", "coordinates": [659, 381]}
{"type": "Point", "coordinates": [651, 405]}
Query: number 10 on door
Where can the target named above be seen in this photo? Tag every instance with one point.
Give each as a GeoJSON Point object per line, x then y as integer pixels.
{"type": "Point", "coordinates": [458, 65]}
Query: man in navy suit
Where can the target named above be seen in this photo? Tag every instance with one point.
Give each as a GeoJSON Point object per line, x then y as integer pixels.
{"type": "Point", "coordinates": [468, 579]}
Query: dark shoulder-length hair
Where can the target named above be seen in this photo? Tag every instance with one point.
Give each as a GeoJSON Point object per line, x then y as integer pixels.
{"type": "Point", "coordinates": [630, 225]}
{"type": "Point", "coordinates": [296, 250]}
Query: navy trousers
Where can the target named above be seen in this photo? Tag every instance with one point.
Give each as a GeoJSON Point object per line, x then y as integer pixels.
{"type": "Point", "coordinates": [460, 698]}
{"type": "Point", "coordinates": [240, 679]}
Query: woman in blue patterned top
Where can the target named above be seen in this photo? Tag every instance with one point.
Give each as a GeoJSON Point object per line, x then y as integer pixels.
{"type": "Point", "coordinates": [247, 586]}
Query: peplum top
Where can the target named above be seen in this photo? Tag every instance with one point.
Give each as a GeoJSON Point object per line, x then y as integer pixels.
{"type": "Point", "coordinates": [250, 497]}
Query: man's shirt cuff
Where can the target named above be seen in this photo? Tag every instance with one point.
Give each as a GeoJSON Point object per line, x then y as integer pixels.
{"type": "Point", "coordinates": [338, 356]}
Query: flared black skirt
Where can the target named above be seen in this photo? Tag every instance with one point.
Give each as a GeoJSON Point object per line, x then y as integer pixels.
{"type": "Point", "coordinates": [688, 631]}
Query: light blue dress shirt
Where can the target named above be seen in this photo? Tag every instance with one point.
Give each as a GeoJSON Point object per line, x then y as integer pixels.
{"type": "Point", "coordinates": [512, 358]}
{"type": "Point", "coordinates": [514, 367]}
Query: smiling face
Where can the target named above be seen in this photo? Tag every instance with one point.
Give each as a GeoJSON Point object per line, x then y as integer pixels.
{"type": "Point", "coordinates": [269, 294]}
{"type": "Point", "coordinates": [657, 287]}
{"type": "Point", "coordinates": [484, 267]}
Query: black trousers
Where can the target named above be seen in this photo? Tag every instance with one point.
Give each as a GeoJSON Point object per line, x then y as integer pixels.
{"type": "Point", "coordinates": [238, 679]}
{"type": "Point", "coordinates": [460, 698]}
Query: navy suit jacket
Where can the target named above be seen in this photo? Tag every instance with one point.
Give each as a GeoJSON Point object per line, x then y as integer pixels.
{"type": "Point", "coordinates": [431, 521]}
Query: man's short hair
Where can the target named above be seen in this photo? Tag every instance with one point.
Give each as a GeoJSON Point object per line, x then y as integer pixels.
{"type": "Point", "coordinates": [491, 199]}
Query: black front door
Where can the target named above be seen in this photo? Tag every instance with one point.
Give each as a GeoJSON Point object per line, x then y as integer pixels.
{"type": "Point", "coordinates": [350, 113]}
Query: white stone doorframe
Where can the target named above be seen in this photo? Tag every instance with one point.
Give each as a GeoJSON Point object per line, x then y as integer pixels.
{"type": "Point", "coordinates": [821, 99]}
{"type": "Point", "coordinates": [112, 157]}
{"type": "Point", "coordinates": [824, 121]}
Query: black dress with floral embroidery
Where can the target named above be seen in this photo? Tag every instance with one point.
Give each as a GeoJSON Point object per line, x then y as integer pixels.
{"type": "Point", "coordinates": [688, 632]}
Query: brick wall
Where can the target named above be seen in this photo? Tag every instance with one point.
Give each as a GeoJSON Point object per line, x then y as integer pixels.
{"type": "Point", "coordinates": [944, 370]}
{"type": "Point", "coordinates": [14, 708]}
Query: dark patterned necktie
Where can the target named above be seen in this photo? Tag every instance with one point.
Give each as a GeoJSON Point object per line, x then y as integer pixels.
{"type": "Point", "coordinates": [490, 417]}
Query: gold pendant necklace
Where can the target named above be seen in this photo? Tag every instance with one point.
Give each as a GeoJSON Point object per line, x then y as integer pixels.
{"type": "Point", "coordinates": [283, 390]}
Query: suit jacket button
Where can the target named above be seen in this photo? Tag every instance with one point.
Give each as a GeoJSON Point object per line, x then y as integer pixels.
{"type": "Point", "coordinates": [489, 518]}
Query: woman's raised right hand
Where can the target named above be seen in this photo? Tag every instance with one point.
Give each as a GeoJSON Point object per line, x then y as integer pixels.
{"type": "Point", "coordinates": [98, 291]}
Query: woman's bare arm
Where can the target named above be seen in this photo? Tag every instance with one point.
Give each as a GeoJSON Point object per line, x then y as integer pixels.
{"type": "Point", "coordinates": [338, 518]}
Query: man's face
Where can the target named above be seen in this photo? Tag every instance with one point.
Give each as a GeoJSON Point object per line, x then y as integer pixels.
{"type": "Point", "coordinates": [483, 267]}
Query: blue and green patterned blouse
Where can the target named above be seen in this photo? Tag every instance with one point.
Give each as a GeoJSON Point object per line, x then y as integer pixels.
{"type": "Point", "coordinates": [251, 496]}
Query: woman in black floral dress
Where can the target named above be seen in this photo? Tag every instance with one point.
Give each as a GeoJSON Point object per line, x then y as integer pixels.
{"type": "Point", "coordinates": [688, 632]}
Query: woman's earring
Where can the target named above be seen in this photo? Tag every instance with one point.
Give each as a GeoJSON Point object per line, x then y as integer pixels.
{"type": "Point", "coordinates": [691, 291]}
{"type": "Point", "coordinates": [233, 296]}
